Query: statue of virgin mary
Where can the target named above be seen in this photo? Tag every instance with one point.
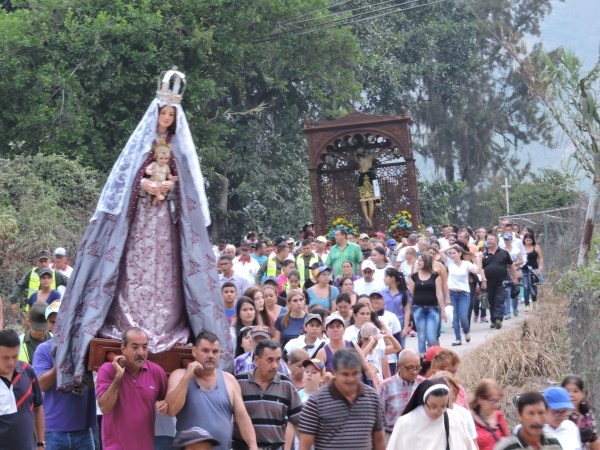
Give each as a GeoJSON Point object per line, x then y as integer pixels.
{"type": "Point", "coordinates": [144, 265]}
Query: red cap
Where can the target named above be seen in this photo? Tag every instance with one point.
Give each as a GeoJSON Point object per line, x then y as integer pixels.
{"type": "Point", "coordinates": [431, 351]}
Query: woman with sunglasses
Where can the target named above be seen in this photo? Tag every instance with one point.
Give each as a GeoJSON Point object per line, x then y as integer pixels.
{"type": "Point", "coordinates": [489, 420]}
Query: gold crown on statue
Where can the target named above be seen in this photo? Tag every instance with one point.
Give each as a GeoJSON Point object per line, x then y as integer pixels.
{"type": "Point", "coordinates": [170, 89]}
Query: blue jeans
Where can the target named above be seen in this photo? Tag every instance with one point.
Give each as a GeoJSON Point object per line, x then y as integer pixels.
{"type": "Point", "coordinates": [75, 440]}
{"type": "Point", "coordinates": [511, 301]}
{"type": "Point", "coordinates": [427, 320]}
{"type": "Point", "coordinates": [461, 303]}
{"type": "Point", "coordinates": [163, 442]}
{"type": "Point", "coordinates": [529, 291]}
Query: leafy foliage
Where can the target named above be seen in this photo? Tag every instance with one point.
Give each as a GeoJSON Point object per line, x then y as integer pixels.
{"type": "Point", "coordinates": [550, 189]}
{"type": "Point", "coordinates": [472, 109]}
{"type": "Point", "coordinates": [442, 202]}
{"type": "Point", "coordinates": [85, 70]}
{"type": "Point", "coordinates": [45, 202]}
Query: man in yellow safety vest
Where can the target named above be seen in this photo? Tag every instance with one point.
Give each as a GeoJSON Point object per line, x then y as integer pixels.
{"type": "Point", "coordinates": [38, 331]}
{"type": "Point", "coordinates": [30, 282]}
{"type": "Point", "coordinates": [305, 260]}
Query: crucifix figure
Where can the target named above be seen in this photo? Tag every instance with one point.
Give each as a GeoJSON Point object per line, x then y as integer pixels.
{"type": "Point", "coordinates": [368, 187]}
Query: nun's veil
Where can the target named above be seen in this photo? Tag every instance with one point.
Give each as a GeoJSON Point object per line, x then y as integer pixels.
{"type": "Point", "coordinates": [424, 390]}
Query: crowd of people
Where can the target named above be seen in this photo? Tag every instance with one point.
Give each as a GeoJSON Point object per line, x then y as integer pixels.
{"type": "Point", "coordinates": [319, 331]}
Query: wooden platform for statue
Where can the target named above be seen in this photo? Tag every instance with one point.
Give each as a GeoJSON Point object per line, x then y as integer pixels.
{"type": "Point", "coordinates": [104, 350]}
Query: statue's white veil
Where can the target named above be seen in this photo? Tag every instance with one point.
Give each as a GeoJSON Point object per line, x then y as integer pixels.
{"type": "Point", "coordinates": [136, 150]}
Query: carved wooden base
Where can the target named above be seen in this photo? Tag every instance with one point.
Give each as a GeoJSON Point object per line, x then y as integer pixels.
{"type": "Point", "coordinates": [104, 350]}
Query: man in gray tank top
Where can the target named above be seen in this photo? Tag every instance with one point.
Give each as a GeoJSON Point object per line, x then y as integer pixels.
{"type": "Point", "coordinates": [204, 396]}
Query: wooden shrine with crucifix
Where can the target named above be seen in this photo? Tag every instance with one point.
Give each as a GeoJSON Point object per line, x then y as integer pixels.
{"type": "Point", "coordinates": [362, 168]}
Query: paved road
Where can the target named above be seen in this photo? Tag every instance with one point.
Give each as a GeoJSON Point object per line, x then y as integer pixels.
{"type": "Point", "coordinates": [479, 333]}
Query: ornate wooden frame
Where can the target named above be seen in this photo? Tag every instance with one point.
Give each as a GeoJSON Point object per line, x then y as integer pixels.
{"type": "Point", "coordinates": [333, 185]}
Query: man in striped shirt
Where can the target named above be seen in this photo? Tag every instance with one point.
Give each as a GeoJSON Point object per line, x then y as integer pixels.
{"type": "Point", "coordinates": [345, 414]}
{"type": "Point", "coordinates": [395, 392]}
{"type": "Point", "coordinates": [271, 399]}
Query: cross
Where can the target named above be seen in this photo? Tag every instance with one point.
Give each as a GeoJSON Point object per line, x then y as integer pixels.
{"type": "Point", "coordinates": [506, 186]}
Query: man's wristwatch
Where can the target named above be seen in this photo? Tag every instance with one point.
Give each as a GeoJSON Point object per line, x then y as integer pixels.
{"type": "Point", "coordinates": [41, 444]}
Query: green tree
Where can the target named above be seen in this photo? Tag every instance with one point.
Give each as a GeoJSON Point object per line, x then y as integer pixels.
{"type": "Point", "coordinates": [442, 202]}
{"type": "Point", "coordinates": [472, 110]}
{"type": "Point", "coordinates": [84, 73]}
{"type": "Point", "coordinates": [45, 202]}
{"type": "Point", "coordinates": [550, 189]}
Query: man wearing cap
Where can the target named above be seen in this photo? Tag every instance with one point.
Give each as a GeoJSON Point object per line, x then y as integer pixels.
{"type": "Point", "coordinates": [69, 416]}
{"type": "Point", "coordinates": [557, 423]}
{"type": "Point", "coordinates": [532, 409]}
{"type": "Point", "coordinates": [202, 395]}
{"type": "Point", "coordinates": [367, 283]}
{"type": "Point", "coordinates": [345, 413]}
{"type": "Point", "coordinates": [307, 231]}
{"type": "Point", "coordinates": [364, 242]}
{"type": "Point", "coordinates": [395, 392]}
{"type": "Point", "coordinates": [321, 250]}
{"type": "Point", "coordinates": [37, 332]}
{"type": "Point", "coordinates": [21, 410]}
{"type": "Point", "coordinates": [343, 250]}
{"type": "Point", "coordinates": [312, 340]}
{"type": "Point", "coordinates": [51, 314]}
{"type": "Point", "coordinates": [391, 322]}
{"type": "Point", "coordinates": [59, 261]}
{"type": "Point", "coordinates": [46, 294]}
{"type": "Point", "coordinates": [30, 282]}
{"type": "Point", "coordinates": [391, 246]}
{"type": "Point", "coordinates": [245, 264]}
{"type": "Point", "coordinates": [195, 439]}
{"type": "Point", "coordinates": [245, 362]}
{"type": "Point", "coordinates": [305, 260]}
{"type": "Point", "coordinates": [273, 265]}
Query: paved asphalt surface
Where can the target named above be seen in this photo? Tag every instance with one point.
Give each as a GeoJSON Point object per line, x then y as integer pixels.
{"type": "Point", "coordinates": [480, 332]}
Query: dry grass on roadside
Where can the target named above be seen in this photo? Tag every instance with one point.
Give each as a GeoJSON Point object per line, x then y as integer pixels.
{"type": "Point", "coordinates": [530, 357]}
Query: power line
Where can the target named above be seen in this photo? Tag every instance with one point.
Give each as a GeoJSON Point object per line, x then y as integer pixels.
{"type": "Point", "coordinates": [347, 20]}
{"type": "Point", "coordinates": [283, 33]}
{"type": "Point", "coordinates": [295, 19]}
{"type": "Point", "coordinates": [338, 13]}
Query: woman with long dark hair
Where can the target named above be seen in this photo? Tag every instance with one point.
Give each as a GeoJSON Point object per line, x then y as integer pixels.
{"type": "Point", "coordinates": [245, 316]}
{"type": "Point", "coordinates": [460, 291]}
{"type": "Point", "coordinates": [397, 298]}
{"type": "Point", "coordinates": [425, 287]}
{"type": "Point", "coordinates": [347, 287]}
{"type": "Point", "coordinates": [582, 416]}
{"type": "Point", "coordinates": [533, 265]}
{"type": "Point", "coordinates": [257, 296]}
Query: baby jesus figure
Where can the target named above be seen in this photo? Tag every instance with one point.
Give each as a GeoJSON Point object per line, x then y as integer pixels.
{"type": "Point", "coordinates": [159, 170]}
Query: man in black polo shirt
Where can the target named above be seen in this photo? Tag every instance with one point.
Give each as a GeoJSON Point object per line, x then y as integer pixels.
{"type": "Point", "coordinates": [497, 264]}
{"type": "Point", "coordinates": [345, 414]}
{"type": "Point", "coordinates": [21, 411]}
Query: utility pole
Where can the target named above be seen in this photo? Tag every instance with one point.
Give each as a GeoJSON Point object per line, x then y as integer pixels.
{"type": "Point", "coordinates": [506, 186]}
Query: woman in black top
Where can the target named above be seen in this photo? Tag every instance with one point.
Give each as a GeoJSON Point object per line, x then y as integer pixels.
{"type": "Point", "coordinates": [425, 287]}
{"type": "Point", "coordinates": [534, 264]}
